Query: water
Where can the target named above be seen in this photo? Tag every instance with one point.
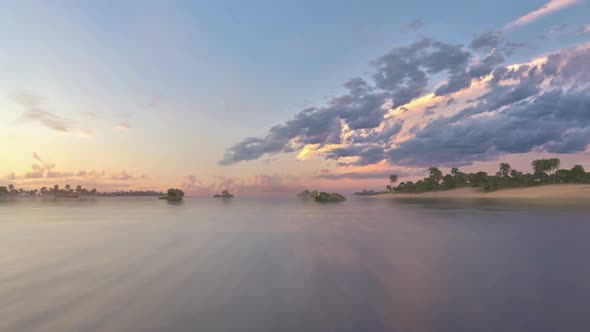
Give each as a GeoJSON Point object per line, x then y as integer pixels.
{"type": "Point", "coordinates": [140, 264]}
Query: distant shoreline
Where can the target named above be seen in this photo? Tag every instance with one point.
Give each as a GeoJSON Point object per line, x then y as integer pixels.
{"type": "Point", "coordinates": [541, 191]}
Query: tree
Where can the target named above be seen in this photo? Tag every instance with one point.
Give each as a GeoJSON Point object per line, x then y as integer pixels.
{"type": "Point", "coordinates": [553, 164]}
{"type": "Point", "coordinates": [539, 166]}
{"type": "Point", "coordinates": [68, 187]}
{"type": "Point", "coordinates": [78, 188]}
{"type": "Point", "coordinates": [516, 175]}
{"type": "Point", "coordinates": [454, 171]}
{"type": "Point", "coordinates": [11, 187]}
{"type": "Point", "coordinates": [563, 175]}
{"type": "Point", "coordinates": [479, 178]}
{"type": "Point", "coordinates": [449, 181]}
{"type": "Point", "coordinates": [545, 166]}
{"type": "Point", "coordinates": [505, 169]}
{"type": "Point", "coordinates": [3, 190]}
{"type": "Point", "coordinates": [393, 178]}
{"type": "Point", "coordinates": [578, 173]}
{"type": "Point", "coordinates": [389, 188]}
{"type": "Point", "coordinates": [435, 174]}
{"type": "Point", "coordinates": [55, 188]}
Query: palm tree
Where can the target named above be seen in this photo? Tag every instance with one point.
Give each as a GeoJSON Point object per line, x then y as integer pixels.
{"type": "Point", "coordinates": [540, 166]}
{"type": "Point", "coordinates": [553, 164]}
{"type": "Point", "coordinates": [393, 178]}
{"type": "Point", "coordinates": [578, 172]}
{"type": "Point", "coordinates": [435, 174]}
{"type": "Point", "coordinates": [505, 169]}
{"type": "Point", "coordinates": [454, 171]}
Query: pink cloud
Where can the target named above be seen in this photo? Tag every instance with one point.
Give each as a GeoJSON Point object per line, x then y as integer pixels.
{"type": "Point", "coordinates": [548, 8]}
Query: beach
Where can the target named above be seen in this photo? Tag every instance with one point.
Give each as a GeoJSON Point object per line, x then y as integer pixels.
{"type": "Point", "coordinates": [542, 191]}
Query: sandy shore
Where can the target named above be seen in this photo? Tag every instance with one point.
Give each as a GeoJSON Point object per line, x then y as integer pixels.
{"type": "Point", "coordinates": [545, 191]}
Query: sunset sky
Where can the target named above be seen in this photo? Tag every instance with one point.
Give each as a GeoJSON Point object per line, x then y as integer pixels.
{"type": "Point", "coordinates": [265, 97]}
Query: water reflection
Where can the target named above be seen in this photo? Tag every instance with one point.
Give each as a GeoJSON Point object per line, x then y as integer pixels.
{"type": "Point", "coordinates": [274, 264]}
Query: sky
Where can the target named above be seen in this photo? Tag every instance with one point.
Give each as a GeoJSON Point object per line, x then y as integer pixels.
{"type": "Point", "coordinates": [270, 97]}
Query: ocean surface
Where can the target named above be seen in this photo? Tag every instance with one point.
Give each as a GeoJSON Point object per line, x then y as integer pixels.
{"type": "Point", "coordinates": [281, 264]}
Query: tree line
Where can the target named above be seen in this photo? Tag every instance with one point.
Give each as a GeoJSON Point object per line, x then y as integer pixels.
{"type": "Point", "coordinates": [545, 171]}
{"type": "Point", "coordinates": [68, 190]}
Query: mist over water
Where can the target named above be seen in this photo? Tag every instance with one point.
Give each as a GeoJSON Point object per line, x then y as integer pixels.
{"type": "Point", "coordinates": [281, 264]}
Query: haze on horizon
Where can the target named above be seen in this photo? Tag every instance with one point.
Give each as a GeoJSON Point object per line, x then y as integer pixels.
{"type": "Point", "coordinates": [264, 98]}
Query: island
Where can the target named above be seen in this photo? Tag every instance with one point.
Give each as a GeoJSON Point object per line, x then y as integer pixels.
{"type": "Point", "coordinates": [69, 192]}
{"type": "Point", "coordinates": [224, 194]}
{"type": "Point", "coordinates": [546, 181]}
{"type": "Point", "coordinates": [306, 194]}
{"type": "Point", "coordinates": [325, 197]}
{"type": "Point", "coordinates": [173, 195]}
{"type": "Point", "coordinates": [321, 196]}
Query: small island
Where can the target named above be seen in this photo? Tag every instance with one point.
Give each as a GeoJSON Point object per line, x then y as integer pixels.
{"type": "Point", "coordinates": [321, 196]}
{"type": "Point", "coordinates": [306, 194]}
{"type": "Point", "coordinates": [173, 195]}
{"type": "Point", "coordinates": [224, 194]}
{"type": "Point", "coordinates": [325, 197]}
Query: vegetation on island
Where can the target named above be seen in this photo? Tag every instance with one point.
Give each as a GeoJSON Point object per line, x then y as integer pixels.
{"type": "Point", "coordinates": [173, 195]}
{"type": "Point", "coordinates": [308, 194]}
{"type": "Point", "coordinates": [321, 196]}
{"type": "Point", "coordinates": [545, 171]}
{"type": "Point", "coordinates": [223, 194]}
{"type": "Point", "coordinates": [324, 197]}
{"type": "Point", "coordinates": [69, 191]}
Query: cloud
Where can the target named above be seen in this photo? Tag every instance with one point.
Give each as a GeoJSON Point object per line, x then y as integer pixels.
{"type": "Point", "coordinates": [36, 173]}
{"type": "Point", "coordinates": [429, 110]}
{"type": "Point", "coordinates": [36, 111]}
{"type": "Point", "coordinates": [487, 41]}
{"type": "Point", "coordinates": [86, 133]}
{"type": "Point", "coordinates": [416, 24]}
{"type": "Point", "coordinates": [555, 31]}
{"type": "Point", "coordinates": [259, 184]}
{"type": "Point", "coordinates": [122, 176]}
{"type": "Point", "coordinates": [326, 174]}
{"type": "Point", "coordinates": [399, 76]}
{"type": "Point", "coordinates": [58, 175]}
{"type": "Point", "coordinates": [496, 109]}
{"type": "Point", "coordinates": [511, 118]}
{"type": "Point", "coordinates": [45, 170]}
{"type": "Point", "coordinates": [124, 126]}
{"type": "Point", "coordinates": [548, 8]}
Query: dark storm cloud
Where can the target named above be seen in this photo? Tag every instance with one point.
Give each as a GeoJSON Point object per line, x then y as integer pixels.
{"type": "Point", "coordinates": [367, 154]}
{"type": "Point", "coordinates": [376, 136]}
{"type": "Point", "coordinates": [508, 118]}
{"type": "Point", "coordinates": [399, 76]}
{"type": "Point", "coordinates": [511, 119]}
{"type": "Point", "coordinates": [486, 41]}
